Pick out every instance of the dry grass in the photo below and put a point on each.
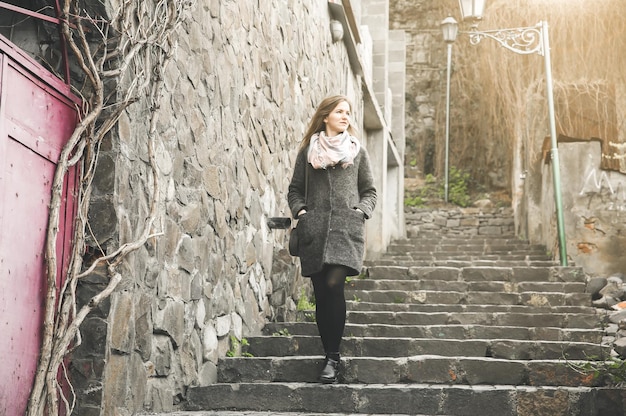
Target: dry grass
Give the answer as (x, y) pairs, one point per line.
(498, 107)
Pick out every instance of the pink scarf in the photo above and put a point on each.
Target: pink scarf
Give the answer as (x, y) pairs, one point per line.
(327, 151)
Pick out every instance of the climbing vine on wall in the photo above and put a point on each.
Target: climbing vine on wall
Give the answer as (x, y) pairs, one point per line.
(122, 59)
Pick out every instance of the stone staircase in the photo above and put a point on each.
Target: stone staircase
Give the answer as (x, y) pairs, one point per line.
(460, 318)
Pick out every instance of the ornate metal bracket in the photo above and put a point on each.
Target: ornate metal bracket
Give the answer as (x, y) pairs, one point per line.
(521, 40)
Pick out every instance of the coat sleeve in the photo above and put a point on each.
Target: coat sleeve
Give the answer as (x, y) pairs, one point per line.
(295, 196)
(367, 191)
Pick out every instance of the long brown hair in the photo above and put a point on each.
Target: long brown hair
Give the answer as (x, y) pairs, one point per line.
(317, 124)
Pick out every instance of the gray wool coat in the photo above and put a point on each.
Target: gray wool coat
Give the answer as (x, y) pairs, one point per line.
(332, 231)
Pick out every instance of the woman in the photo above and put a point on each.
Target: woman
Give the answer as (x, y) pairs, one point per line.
(340, 196)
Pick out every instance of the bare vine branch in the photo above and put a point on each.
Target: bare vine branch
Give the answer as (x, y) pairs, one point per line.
(142, 33)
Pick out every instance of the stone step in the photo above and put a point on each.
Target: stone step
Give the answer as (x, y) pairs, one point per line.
(475, 261)
(411, 369)
(418, 307)
(456, 251)
(514, 349)
(465, 286)
(443, 324)
(517, 274)
(474, 318)
(495, 259)
(475, 298)
(410, 399)
(257, 413)
(481, 256)
(456, 239)
(445, 233)
(485, 246)
(424, 231)
(413, 234)
(448, 331)
(471, 255)
(509, 237)
(462, 247)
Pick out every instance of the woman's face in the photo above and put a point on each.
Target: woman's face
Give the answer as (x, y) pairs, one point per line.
(338, 120)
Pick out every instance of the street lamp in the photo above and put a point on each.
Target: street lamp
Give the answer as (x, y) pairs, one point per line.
(472, 10)
(525, 41)
(450, 28)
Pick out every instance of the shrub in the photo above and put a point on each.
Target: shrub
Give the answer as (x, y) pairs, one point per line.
(434, 189)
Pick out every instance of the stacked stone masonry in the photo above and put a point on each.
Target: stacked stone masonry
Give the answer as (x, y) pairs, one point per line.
(244, 82)
(459, 222)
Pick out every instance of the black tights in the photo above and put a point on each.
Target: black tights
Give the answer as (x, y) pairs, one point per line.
(330, 306)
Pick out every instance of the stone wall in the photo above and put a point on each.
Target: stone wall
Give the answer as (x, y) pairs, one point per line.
(461, 222)
(425, 77)
(594, 209)
(246, 78)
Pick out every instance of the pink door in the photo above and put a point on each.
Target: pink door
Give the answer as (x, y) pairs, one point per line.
(37, 116)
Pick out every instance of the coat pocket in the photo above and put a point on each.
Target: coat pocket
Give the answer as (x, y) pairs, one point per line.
(306, 229)
(301, 235)
(294, 242)
(355, 226)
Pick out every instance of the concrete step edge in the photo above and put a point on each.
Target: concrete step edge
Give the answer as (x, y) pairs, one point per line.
(413, 369)
(436, 307)
(255, 413)
(402, 346)
(565, 334)
(405, 399)
(466, 286)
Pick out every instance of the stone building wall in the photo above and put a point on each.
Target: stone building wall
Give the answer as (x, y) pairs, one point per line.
(246, 78)
(594, 209)
(425, 76)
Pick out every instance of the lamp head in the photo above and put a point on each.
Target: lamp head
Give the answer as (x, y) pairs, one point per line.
(472, 10)
(449, 28)
(336, 30)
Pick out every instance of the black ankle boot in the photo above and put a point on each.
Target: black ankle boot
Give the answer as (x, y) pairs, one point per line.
(330, 371)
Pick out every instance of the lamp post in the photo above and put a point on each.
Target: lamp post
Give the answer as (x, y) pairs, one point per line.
(450, 28)
(525, 41)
